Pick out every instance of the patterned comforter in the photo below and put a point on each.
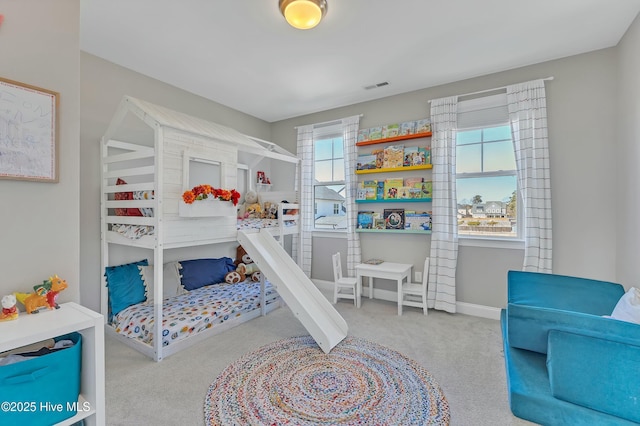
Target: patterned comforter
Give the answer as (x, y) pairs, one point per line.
(193, 312)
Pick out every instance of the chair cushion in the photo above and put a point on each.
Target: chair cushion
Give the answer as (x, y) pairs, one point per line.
(595, 372)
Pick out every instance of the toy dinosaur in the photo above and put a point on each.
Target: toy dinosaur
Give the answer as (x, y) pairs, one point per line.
(43, 296)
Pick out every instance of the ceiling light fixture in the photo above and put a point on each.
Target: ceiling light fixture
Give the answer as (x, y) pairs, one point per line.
(303, 14)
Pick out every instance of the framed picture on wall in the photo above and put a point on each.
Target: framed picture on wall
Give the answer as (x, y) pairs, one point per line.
(28, 132)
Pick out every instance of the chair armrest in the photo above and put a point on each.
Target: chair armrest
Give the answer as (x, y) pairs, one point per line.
(600, 373)
(528, 326)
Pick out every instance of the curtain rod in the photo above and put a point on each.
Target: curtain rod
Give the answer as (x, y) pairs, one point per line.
(491, 90)
(325, 123)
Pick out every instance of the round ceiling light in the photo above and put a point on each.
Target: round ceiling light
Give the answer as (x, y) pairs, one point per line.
(303, 14)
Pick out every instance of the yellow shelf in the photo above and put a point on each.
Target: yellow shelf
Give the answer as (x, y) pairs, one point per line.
(395, 169)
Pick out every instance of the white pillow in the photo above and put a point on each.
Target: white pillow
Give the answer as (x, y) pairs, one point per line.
(628, 307)
(171, 285)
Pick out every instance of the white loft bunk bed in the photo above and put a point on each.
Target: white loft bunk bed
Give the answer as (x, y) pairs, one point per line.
(153, 149)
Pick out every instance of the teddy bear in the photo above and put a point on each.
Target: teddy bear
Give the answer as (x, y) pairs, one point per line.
(270, 211)
(250, 207)
(245, 267)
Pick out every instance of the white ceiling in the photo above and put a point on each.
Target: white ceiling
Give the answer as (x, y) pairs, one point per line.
(242, 53)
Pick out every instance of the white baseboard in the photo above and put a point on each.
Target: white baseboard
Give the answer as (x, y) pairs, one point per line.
(461, 307)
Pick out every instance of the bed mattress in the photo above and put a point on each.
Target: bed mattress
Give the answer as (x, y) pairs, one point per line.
(193, 312)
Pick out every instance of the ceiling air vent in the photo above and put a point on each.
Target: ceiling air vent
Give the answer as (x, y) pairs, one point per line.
(375, 86)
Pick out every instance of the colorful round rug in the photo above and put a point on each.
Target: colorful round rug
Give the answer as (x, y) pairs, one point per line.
(294, 382)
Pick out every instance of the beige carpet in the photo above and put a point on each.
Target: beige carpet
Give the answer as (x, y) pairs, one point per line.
(463, 353)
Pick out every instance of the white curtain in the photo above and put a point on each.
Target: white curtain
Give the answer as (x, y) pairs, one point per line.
(350, 136)
(441, 292)
(304, 185)
(528, 115)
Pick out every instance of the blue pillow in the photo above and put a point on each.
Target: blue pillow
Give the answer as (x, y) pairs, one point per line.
(200, 272)
(126, 286)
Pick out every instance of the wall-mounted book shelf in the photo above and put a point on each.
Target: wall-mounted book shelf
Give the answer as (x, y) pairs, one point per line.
(397, 200)
(395, 169)
(395, 231)
(394, 139)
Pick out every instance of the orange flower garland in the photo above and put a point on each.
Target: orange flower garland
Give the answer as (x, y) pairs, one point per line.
(202, 192)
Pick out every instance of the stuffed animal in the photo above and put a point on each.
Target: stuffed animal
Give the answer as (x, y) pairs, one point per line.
(270, 211)
(250, 199)
(9, 308)
(234, 277)
(245, 265)
(254, 211)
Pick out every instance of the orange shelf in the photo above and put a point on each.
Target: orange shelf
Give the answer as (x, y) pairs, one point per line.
(395, 138)
(394, 169)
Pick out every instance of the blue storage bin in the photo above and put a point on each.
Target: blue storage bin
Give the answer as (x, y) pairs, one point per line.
(43, 390)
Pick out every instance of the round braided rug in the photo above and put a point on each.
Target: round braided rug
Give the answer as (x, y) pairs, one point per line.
(293, 382)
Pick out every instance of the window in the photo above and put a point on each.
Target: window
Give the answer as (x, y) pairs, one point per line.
(486, 181)
(329, 181)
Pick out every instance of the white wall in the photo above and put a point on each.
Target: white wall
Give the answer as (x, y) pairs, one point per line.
(39, 45)
(627, 205)
(582, 126)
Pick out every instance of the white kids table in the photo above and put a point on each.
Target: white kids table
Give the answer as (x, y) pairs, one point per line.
(385, 270)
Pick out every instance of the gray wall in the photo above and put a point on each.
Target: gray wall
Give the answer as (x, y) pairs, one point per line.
(40, 46)
(103, 84)
(54, 228)
(628, 156)
(581, 102)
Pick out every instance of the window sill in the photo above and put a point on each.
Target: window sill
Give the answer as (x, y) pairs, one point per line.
(500, 243)
(329, 234)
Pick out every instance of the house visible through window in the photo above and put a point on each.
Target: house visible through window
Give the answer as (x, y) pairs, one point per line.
(329, 182)
(486, 183)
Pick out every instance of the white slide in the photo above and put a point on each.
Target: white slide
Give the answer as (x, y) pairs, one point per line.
(314, 311)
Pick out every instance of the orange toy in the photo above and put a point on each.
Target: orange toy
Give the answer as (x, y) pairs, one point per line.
(45, 295)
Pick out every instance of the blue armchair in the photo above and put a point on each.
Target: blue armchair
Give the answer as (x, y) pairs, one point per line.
(566, 363)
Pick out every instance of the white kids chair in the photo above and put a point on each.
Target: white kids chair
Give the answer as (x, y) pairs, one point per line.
(414, 294)
(344, 287)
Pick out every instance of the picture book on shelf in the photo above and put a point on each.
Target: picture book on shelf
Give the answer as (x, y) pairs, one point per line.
(410, 152)
(363, 135)
(365, 220)
(423, 126)
(375, 133)
(426, 189)
(393, 156)
(424, 155)
(404, 192)
(371, 189)
(394, 218)
(415, 193)
(380, 191)
(366, 162)
(378, 223)
(417, 221)
(407, 128)
(391, 188)
(390, 130)
(379, 153)
(361, 194)
(411, 181)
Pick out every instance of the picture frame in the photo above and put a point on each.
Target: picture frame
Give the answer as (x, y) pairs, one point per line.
(28, 132)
